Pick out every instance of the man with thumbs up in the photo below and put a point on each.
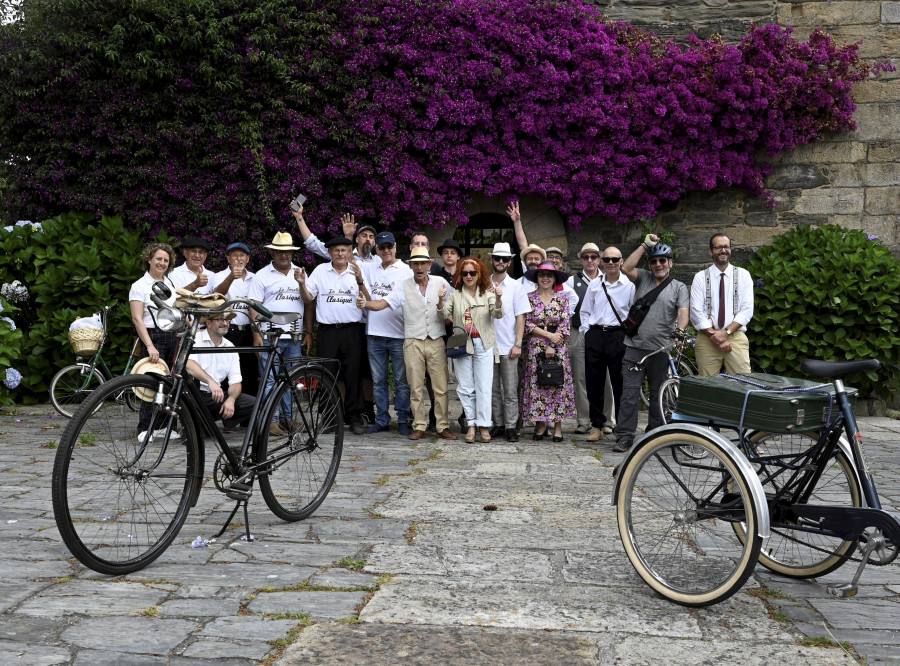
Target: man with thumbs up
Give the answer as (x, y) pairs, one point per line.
(192, 275)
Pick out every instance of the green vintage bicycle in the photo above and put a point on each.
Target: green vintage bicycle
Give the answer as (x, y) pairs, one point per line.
(72, 385)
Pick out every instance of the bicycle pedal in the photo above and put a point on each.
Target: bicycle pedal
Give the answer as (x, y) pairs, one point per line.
(239, 491)
(843, 590)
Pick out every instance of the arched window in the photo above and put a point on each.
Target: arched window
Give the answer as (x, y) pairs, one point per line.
(484, 229)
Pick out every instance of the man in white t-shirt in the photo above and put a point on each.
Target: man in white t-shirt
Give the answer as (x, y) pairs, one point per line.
(192, 274)
(276, 287)
(220, 375)
(234, 282)
(384, 337)
(508, 333)
(333, 287)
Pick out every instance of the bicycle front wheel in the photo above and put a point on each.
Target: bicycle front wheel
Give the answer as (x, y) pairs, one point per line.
(72, 385)
(668, 398)
(120, 493)
(302, 463)
(795, 549)
(674, 515)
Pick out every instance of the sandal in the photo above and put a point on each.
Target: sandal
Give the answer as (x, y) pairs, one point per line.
(485, 435)
(470, 436)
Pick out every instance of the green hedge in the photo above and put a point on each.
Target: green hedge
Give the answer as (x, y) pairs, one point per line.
(72, 265)
(828, 293)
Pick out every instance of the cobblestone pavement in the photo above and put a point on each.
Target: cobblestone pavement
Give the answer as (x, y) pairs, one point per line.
(404, 564)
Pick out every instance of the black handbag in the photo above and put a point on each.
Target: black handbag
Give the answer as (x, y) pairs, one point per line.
(456, 343)
(550, 372)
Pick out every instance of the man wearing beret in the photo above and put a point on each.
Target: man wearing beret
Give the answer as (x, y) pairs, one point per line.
(192, 275)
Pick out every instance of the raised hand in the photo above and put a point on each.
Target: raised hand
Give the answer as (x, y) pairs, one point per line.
(203, 278)
(300, 275)
(513, 211)
(361, 302)
(442, 294)
(348, 223)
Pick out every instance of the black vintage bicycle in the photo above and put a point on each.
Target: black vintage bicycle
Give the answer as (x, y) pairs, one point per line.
(799, 503)
(124, 481)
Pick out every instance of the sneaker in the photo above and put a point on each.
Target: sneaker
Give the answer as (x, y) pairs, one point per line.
(404, 429)
(623, 444)
(596, 435)
(158, 434)
(582, 430)
(275, 429)
(607, 430)
(375, 427)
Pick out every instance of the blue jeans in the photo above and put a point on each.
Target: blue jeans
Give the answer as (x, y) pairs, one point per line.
(381, 351)
(288, 348)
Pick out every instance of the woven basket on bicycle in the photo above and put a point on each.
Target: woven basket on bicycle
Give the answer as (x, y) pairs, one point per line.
(85, 341)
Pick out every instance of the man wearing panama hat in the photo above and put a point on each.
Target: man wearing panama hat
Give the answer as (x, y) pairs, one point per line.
(220, 374)
(276, 287)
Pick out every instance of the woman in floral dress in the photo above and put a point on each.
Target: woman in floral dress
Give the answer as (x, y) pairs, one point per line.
(547, 332)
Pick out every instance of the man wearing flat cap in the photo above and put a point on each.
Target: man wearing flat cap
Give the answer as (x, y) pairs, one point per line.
(220, 374)
(192, 275)
(334, 287)
(365, 237)
(234, 282)
(276, 287)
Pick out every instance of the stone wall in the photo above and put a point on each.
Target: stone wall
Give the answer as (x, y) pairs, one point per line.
(852, 180)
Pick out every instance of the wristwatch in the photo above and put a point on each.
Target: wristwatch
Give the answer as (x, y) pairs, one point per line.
(518, 344)
(728, 331)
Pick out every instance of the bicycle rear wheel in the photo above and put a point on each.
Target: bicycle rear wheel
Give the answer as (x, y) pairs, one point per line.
(120, 501)
(794, 549)
(674, 513)
(72, 385)
(301, 465)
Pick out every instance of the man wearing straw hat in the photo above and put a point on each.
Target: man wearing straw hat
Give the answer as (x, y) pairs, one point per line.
(276, 287)
(220, 374)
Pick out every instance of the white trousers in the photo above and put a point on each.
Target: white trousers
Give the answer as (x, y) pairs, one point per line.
(474, 381)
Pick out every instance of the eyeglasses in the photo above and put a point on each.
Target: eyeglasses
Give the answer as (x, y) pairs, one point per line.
(468, 273)
(505, 260)
(721, 247)
(611, 260)
(218, 320)
(590, 257)
(658, 260)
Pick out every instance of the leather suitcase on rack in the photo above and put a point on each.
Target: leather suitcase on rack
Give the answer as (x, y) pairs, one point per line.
(722, 399)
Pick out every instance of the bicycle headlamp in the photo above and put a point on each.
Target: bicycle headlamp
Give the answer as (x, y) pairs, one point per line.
(170, 320)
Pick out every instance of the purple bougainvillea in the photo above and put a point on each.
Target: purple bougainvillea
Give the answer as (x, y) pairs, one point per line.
(208, 116)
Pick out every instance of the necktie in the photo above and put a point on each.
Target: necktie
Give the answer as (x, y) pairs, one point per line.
(722, 302)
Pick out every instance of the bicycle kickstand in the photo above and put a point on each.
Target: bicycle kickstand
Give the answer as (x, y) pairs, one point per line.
(238, 504)
(844, 590)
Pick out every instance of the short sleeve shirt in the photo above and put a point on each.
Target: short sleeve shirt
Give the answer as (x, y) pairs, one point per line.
(335, 295)
(662, 318)
(515, 302)
(141, 290)
(278, 292)
(183, 276)
(218, 366)
(238, 289)
(382, 281)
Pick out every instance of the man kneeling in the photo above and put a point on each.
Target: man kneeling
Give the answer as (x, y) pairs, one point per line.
(220, 374)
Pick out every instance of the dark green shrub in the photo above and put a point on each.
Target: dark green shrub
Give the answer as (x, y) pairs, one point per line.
(72, 265)
(828, 293)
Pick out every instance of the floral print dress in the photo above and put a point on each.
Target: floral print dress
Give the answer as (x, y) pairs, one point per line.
(547, 403)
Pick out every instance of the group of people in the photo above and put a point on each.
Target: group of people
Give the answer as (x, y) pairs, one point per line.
(372, 312)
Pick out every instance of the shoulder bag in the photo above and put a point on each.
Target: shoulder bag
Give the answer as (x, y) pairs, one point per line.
(550, 371)
(641, 307)
(457, 343)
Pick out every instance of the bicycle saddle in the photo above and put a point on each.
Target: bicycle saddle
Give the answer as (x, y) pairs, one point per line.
(838, 369)
(282, 318)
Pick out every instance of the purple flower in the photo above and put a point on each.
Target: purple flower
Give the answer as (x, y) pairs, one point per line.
(759, 283)
(873, 237)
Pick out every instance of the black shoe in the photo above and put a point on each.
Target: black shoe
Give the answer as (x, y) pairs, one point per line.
(511, 435)
(358, 426)
(536, 437)
(496, 431)
(623, 444)
(557, 438)
(463, 423)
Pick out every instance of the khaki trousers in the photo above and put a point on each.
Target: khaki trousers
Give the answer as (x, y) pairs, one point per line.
(428, 355)
(710, 358)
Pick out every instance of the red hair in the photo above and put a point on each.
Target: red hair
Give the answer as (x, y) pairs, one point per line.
(482, 280)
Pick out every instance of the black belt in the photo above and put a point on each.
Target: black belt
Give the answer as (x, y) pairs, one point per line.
(347, 325)
(606, 328)
(242, 327)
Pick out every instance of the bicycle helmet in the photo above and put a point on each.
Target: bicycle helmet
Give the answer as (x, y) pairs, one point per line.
(660, 250)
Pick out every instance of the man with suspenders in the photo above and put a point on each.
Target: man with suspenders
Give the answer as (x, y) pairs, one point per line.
(721, 308)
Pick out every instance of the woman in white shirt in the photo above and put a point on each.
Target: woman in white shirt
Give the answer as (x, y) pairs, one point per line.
(157, 260)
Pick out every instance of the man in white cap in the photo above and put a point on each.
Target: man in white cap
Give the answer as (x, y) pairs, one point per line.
(220, 374)
(234, 282)
(589, 255)
(421, 298)
(508, 333)
(276, 287)
(556, 257)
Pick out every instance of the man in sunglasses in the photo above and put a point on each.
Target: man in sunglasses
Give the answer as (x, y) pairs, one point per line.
(721, 308)
(508, 333)
(670, 310)
(603, 308)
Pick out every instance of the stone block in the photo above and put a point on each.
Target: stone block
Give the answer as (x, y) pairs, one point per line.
(826, 201)
(829, 13)
(890, 12)
(824, 152)
(880, 90)
(769, 219)
(803, 176)
(880, 175)
(883, 200)
(884, 152)
(876, 122)
(845, 175)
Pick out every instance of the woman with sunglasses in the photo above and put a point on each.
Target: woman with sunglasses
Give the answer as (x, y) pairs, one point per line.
(547, 329)
(473, 306)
